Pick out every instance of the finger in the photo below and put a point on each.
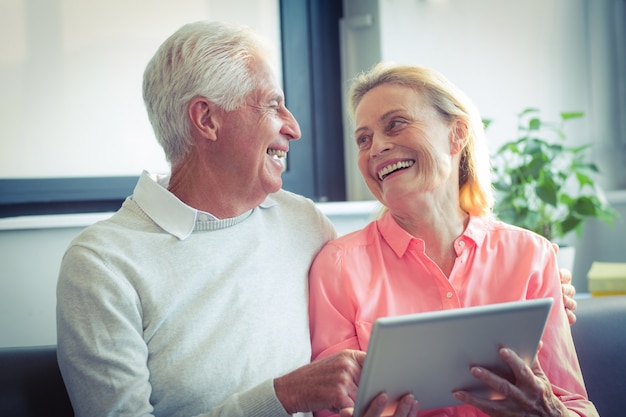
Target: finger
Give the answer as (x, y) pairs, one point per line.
(377, 406)
(347, 412)
(570, 303)
(525, 380)
(496, 382)
(511, 395)
(571, 317)
(359, 357)
(489, 407)
(406, 407)
(565, 275)
(516, 363)
(568, 290)
(537, 369)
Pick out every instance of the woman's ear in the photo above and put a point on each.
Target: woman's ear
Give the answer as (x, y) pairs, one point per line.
(203, 116)
(459, 135)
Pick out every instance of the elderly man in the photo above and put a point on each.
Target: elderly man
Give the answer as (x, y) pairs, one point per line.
(192, 298)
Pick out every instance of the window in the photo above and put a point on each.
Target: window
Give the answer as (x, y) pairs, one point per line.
(313, 93)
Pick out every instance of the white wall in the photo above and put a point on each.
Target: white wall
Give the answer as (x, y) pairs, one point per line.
(30, 260)
(507, 55)
(71, 76)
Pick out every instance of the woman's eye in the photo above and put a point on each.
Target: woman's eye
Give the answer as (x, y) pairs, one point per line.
(361, 141)
(395, 124)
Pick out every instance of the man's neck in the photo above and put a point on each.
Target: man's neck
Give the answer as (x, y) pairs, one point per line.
(198, 187)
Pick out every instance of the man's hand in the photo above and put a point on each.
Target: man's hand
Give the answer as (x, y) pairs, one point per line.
(330, 383)
(569, 291)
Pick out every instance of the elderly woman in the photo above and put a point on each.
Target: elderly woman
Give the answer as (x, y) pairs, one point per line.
(423, 155)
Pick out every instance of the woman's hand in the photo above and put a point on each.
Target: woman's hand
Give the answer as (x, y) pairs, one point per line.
(530, 395)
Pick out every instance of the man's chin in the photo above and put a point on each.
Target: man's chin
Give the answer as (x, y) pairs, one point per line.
(274, 186)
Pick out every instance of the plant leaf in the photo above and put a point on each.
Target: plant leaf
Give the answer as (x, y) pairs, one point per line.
(534, 124)
(570, 223)
(547, 192)
(572, 115)
(586, 206)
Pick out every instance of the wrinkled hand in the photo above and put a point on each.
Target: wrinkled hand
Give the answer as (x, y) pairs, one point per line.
(330, 383)
(530, 395)
(569, 291)
(406, 407)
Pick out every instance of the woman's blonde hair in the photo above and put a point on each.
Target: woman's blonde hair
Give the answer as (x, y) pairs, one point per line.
(475, 189)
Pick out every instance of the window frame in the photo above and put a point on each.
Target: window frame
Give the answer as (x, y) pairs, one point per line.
(311, 71)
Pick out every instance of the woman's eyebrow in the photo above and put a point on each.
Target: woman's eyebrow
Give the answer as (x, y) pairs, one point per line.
(382, 118)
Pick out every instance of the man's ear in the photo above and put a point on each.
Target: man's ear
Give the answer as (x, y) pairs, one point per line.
(203, 116)
(459, 135)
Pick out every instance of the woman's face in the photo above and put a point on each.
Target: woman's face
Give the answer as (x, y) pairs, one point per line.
(405, 146)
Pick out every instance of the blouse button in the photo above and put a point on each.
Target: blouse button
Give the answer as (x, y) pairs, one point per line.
(449, 294)
(462, 243)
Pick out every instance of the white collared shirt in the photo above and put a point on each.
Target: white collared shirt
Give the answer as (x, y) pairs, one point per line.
(167, 210)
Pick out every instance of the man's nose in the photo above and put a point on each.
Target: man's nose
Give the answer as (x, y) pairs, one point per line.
(291, 128)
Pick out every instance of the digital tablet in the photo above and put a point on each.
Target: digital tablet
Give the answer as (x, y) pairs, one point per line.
(430, 354)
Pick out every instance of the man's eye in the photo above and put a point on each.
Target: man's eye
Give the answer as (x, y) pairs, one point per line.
(273, 105)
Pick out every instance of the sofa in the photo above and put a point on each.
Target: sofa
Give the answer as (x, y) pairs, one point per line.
(31, 384)
(600, 338)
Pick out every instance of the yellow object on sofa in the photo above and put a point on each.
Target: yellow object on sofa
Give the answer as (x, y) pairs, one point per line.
(607, 278)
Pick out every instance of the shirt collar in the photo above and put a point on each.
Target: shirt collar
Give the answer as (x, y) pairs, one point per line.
(163, 207)
(399, 239)
(166, 210)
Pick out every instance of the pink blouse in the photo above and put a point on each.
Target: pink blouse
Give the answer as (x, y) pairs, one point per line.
(382, 270)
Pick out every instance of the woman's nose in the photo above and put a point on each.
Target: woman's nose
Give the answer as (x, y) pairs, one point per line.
(380, 145)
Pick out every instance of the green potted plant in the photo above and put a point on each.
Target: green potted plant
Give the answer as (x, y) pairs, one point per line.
(544, 185)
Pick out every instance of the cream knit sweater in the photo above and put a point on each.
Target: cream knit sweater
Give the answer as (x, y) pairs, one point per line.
(149, 324)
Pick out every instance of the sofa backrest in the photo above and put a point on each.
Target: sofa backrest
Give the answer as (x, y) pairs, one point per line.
(31, 384)
(600, 339)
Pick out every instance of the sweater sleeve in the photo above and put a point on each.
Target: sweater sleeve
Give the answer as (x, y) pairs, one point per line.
(102, 353)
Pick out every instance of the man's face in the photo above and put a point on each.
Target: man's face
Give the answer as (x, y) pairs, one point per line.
(258, 134)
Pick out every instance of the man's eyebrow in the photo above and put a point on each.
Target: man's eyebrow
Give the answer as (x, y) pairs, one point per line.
(277, 97)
